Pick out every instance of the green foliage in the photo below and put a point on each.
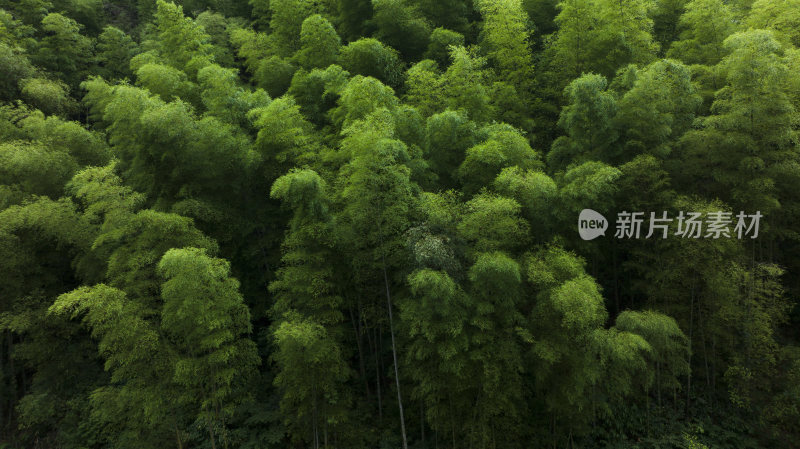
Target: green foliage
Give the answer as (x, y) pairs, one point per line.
(758, 308)
(644, 112)
(286, 23)
(218, 29)
(503, 147)
(536, 192)
(274, 75)
(369, 57)
(102, 196)
(666, 17)
(284, 136)
(668, 343)
(587, 120)
(378, 194)
(465, 84)
(506, 41)
(354, 18)
(439, 47)
(15, 67)
(319, 43)
(704, 25)
(360, 97)
(312, 371)
(437, 317)
(50, 97)
(542, 13)
(448, 137)
(752, 124)
(600, 37)
(114, 52)
(671, 100)
(180, 41)
(164, 372)
(451, 14)
(86, 147)
(317, 91)
(146, 132)
(205, 320)
(34, 168)
(63, 50)
(782, 17)
(377, 199)
(493, 223)
(463, 87)
(132, 267)
(167, 82)
(425, 87)
(592, 183)
(225, 98)
(251, 46)
(401, 26)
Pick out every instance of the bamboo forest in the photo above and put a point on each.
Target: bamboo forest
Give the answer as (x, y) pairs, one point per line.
(399, 224)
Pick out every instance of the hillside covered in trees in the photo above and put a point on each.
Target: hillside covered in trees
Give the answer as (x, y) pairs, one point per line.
(355, 224)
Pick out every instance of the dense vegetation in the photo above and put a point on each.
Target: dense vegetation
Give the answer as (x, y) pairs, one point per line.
(351, 224)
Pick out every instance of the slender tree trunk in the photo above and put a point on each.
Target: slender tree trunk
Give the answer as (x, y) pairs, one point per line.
(178, 437)
(218, 418)
(359, 344)
(594, 407)
(264, 255)
(658, 382)
(394, 356)
(631, 295)
(452, 422)
(2, 384)
(691, 326)
(211, 433)
(315, 416)
(616, 275)
(647, 408)
(379, 340)
(23, 380)
(391, 332)
(713, 363)
(422, 421)
(474, 426)
(374, 344)
(12, 371)
(705, 346)
(12, 382)
(675, 400)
